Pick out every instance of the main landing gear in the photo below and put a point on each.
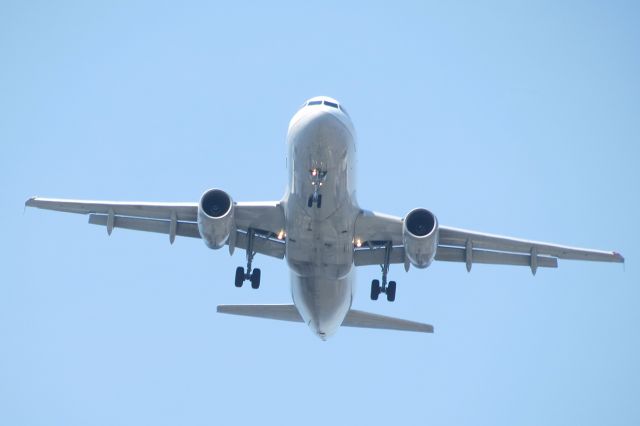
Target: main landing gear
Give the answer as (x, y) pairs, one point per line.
(388, 288)
(317, 176)
(253, 276)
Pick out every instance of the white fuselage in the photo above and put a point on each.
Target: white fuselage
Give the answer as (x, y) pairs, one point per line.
(321, 139)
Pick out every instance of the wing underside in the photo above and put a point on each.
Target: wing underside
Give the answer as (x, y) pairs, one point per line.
(373, 230)
(376, 230)
(177, 219)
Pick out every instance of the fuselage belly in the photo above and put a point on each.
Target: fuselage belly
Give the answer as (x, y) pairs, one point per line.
(321, 152)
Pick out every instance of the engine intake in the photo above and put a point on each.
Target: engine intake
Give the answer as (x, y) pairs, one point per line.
(215, 218)
(420, 237)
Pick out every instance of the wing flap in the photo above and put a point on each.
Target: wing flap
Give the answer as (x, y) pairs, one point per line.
(261, 243)
(453, 254)
(459, 237)
(375, 256)
(183, 229)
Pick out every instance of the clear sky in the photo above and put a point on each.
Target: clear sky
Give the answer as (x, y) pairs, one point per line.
(518, 118)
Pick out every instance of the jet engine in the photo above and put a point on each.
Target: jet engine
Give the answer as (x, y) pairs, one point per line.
(420, 237)
(215, 218)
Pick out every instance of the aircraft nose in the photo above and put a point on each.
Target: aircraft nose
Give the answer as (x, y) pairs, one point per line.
(325, 129)
(323, 119)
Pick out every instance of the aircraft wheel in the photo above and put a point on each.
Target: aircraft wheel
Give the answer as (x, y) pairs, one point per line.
(239, 276)
(375, 289)
(255, 278)
(310, 201)
(319, 201)
(391, 291)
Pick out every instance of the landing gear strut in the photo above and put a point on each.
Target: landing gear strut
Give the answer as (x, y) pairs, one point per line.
(253, 276)
(390, 288)
(317, 176)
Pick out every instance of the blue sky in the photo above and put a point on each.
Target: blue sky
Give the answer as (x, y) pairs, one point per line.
(518, 118)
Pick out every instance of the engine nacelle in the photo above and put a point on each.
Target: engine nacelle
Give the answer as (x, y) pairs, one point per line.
(420, 237)
(215, 218)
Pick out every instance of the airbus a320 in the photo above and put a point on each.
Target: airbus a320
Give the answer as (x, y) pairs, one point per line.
(322, 231)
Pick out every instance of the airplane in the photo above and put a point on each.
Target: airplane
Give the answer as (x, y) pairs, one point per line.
(321, 230)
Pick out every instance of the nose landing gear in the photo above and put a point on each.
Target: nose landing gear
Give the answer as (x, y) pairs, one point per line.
(314, 198)
(317, 176)
(253, 276)
(390, 288)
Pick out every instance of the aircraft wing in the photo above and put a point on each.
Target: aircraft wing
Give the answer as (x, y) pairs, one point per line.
(374, 230)
(177, 219)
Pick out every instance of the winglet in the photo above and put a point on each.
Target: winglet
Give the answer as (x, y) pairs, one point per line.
(30, 202)
(618, 257)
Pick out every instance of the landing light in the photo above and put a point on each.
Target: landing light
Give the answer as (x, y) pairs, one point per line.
(281, 234)
(358, 243)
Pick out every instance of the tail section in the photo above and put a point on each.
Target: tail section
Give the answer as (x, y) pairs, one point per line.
(362, 319)
(276, 312)
(354, 317)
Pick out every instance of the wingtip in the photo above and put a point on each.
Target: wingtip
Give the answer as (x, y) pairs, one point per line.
(618, 257)
(30, 202)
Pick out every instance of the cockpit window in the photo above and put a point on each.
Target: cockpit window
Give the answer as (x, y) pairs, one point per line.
(327, 103)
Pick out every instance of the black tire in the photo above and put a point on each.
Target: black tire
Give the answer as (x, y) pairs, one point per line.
(391, 291)
(255, 279)
(319, 202)
(310, 201)
(239, 276)
(375, 289)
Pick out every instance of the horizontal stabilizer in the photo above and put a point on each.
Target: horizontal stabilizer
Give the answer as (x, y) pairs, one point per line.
(354, 318)
(368, 320)
(277, 312)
